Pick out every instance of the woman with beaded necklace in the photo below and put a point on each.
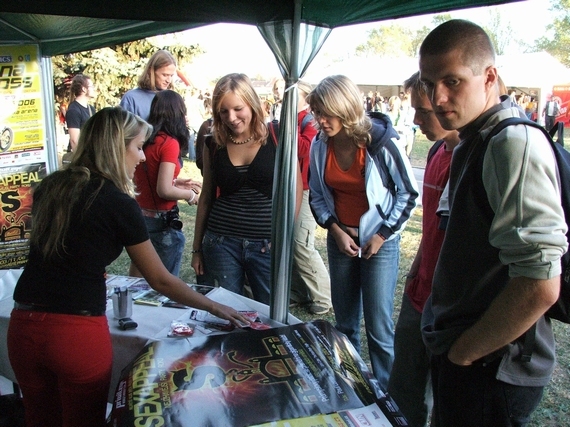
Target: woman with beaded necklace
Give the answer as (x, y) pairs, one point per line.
(233, 222)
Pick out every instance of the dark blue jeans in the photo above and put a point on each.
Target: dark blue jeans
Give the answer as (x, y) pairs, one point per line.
(168, 242)
(229, 260)
(471, 396)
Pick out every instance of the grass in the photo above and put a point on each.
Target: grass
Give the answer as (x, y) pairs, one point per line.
(554, 409)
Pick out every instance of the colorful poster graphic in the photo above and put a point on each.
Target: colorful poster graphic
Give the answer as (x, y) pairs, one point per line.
(21, 116)
(248, 378)
(16, 183)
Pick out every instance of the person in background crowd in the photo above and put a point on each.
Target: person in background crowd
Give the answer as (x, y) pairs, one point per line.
(550, 112)
(158, 185)
(84, 215)
(157, 75)
(78, 112)
(204, 130)
(278, 89)
(499, 267)
(410, 384)
(232, 237)
(310, 282)
(354, 163)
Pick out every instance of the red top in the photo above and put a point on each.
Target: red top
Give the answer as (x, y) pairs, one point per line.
(435, 178)
(304, 145)
(164, 149)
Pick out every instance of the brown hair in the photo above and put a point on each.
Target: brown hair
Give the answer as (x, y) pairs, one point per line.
(160, 59)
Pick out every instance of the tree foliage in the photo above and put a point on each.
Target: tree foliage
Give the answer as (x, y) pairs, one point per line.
(390, 41)
(396, 40)
(114, 70)
(557, 38)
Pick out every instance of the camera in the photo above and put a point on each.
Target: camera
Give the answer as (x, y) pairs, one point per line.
(173, 219)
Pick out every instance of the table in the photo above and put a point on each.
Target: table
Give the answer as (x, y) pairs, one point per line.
(153, 324)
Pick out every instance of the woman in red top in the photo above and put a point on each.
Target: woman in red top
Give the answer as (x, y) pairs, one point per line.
(157, 179)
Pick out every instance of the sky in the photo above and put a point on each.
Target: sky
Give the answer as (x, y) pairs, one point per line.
(241, 48)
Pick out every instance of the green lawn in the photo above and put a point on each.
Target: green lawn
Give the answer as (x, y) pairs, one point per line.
(554, 409)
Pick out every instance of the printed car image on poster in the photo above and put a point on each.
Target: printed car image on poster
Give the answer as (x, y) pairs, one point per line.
(16, 184)
(248, 378)
(21, 115)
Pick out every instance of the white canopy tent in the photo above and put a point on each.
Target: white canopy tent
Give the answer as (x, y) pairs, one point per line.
(535, 73)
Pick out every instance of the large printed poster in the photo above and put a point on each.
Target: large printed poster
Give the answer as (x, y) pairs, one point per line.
(22, 148)
(16, 184)
(21, 116)
(249, 377)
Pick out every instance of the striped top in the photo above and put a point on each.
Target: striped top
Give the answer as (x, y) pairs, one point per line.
(243, 214)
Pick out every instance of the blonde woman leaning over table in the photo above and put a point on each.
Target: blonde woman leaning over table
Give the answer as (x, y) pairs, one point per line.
(58, 338)
(232, 238)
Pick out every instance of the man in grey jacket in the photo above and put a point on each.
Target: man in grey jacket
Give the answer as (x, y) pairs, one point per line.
(499, 265)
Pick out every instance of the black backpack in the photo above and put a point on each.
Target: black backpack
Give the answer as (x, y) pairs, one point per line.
(561, 309)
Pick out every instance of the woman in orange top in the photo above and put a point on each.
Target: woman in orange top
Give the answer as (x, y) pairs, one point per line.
(362, 189)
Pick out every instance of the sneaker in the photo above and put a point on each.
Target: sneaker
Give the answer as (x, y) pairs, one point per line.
(318, 309)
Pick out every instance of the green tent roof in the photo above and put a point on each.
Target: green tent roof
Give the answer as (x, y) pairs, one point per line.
(64, 26)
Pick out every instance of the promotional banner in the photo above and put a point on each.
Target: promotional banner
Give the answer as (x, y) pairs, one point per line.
(249, 378)
(16, 184)
(21, 115)
(22, 148)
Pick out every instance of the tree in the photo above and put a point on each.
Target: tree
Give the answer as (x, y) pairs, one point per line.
(500, 33)
(113, 69)
(392, 41)
(557, 40)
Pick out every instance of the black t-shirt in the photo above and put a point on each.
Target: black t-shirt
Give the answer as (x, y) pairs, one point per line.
(76, 280)
(77, 114)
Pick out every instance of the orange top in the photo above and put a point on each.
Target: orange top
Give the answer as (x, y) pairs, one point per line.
(348, 187)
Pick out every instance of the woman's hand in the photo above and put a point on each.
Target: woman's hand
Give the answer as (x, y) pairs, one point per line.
(188, 184)
(373, 246)
(198, 263)
(228, 313)
(345, 242)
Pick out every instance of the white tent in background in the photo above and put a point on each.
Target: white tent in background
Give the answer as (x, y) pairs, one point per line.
(527, 73)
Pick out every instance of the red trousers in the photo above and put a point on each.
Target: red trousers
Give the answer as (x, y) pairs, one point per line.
(63, 367)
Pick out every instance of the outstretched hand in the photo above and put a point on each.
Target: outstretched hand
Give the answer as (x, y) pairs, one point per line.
(228, 313)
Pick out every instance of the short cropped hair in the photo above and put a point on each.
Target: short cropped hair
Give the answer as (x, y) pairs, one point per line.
(477, 51)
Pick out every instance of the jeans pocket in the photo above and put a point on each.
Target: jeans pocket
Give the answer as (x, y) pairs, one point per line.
(211, 240)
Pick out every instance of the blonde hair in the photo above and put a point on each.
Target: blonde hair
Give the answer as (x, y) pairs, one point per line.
(304, 87)
(160, 59)
(100, 154)
(338, 96)
(239, 85)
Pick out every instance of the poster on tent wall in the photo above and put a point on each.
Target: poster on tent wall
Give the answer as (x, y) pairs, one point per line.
(22, 147)
(300, 375)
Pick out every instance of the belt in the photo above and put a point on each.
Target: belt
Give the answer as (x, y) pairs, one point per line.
(46, 309)
(151, 214)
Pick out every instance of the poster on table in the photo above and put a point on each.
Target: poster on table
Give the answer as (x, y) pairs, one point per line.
(22, 147)
(308, 374)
